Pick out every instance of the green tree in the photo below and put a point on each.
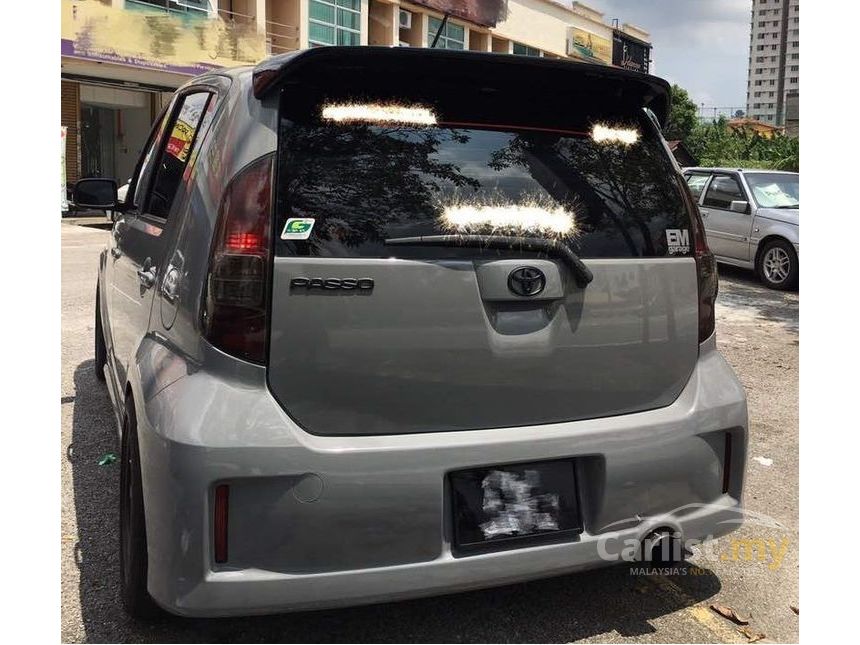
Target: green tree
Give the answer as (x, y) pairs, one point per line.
(716, 144)
(682, 115)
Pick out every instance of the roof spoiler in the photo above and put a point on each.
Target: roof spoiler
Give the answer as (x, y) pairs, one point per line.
(273, 73)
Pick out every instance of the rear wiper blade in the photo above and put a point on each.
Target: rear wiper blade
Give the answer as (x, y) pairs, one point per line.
(787, 206)
(555, 248)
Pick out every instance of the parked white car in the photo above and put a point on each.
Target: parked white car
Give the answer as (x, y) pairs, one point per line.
(751, 219)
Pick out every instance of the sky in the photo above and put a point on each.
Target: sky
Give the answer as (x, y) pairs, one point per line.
(702, 45)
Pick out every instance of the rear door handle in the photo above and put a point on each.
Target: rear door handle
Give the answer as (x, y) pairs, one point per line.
(147, 278)
(146, 274)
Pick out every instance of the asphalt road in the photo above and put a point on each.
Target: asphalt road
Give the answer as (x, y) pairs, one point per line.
(757, 333)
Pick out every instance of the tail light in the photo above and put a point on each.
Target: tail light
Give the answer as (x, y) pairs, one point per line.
(237, 293)
(706, 267)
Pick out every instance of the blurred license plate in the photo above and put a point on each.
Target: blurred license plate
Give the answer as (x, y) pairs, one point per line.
(514, 505)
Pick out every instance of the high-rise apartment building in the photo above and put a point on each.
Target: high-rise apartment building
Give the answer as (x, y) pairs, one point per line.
(773, 82)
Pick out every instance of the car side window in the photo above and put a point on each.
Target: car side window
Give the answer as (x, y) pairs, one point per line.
(176, 152)
(139, 182)
(722, 192)
(697, 184)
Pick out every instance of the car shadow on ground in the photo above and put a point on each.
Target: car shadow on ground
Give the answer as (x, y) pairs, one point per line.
(561, 609)
(742, 295)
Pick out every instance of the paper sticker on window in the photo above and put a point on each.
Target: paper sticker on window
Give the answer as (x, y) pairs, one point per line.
(180, 140)
(298, 228)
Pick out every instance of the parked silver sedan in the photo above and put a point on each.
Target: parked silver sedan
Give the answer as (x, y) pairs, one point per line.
(752, 219)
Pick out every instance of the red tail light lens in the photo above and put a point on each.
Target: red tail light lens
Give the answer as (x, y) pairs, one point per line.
(706, 267)
(235, 315)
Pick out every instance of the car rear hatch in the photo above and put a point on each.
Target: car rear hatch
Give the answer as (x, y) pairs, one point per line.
(431, 211)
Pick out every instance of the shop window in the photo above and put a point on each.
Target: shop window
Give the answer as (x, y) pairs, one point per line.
(334, 22)
(524, 50)
(453, 36)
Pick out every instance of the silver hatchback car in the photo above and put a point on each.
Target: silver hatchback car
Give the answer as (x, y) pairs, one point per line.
(383, 323)
(752, 219)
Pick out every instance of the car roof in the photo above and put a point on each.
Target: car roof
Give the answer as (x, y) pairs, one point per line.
(241, 73)
(743, 170)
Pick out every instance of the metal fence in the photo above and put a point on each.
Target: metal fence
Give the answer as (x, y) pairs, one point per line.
(709, 114)
(280, 37)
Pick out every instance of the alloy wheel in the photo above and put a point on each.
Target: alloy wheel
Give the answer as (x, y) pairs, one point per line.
(776, 265)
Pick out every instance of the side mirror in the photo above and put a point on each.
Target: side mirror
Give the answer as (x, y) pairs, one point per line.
(95, 193)
(739, 206)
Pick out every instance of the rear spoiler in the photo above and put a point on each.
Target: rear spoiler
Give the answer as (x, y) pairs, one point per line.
(633, 88)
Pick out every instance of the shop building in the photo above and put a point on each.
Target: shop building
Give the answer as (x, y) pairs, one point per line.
(122, 59)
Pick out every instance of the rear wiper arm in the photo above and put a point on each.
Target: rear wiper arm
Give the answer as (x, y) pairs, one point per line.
(555, 248)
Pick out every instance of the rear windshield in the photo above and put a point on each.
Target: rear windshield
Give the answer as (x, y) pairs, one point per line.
(356, 183)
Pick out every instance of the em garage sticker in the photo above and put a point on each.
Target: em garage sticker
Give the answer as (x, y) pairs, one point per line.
(298, 228)
(678, 241)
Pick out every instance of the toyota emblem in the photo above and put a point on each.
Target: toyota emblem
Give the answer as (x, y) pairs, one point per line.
(526, 281)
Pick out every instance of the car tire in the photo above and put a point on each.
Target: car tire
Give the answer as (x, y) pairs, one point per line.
(100, 351)
(132, 526)
(777, 265)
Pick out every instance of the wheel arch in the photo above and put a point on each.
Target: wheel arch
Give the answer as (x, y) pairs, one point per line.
(763, 242)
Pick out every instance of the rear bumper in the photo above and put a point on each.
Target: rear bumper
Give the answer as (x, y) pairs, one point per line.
(330, 521)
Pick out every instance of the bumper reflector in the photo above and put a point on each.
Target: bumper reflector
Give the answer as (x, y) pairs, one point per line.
(727, 462)
(222, 496)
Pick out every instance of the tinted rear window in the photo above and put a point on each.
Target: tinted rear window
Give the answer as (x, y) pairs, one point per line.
(363, 183)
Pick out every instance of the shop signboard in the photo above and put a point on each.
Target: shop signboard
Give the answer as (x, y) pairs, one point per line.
(630, 53)
(589, 46)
